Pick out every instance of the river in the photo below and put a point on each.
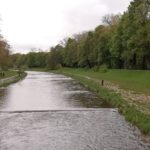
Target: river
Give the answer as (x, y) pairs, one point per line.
(52, 112)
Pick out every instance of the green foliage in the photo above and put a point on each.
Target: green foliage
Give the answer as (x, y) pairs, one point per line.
(24, 67)
(103, 68)
(31, 60)
(4, 54)
(70, 53)
(96, 68)
(131, 42)
(8, 73)
(54, 58)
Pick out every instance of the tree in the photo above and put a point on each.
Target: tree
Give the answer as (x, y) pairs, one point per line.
(70, 53)
(54, 58)
(4, 53)
(111, 19)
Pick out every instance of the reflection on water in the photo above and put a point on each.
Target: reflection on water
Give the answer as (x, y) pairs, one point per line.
(42, 91)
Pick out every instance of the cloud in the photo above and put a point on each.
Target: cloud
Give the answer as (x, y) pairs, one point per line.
(43, 23)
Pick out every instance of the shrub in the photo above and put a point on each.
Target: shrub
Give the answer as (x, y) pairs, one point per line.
(96, 68)
(103, 68)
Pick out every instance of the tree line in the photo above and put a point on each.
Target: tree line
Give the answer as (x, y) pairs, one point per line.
(121, 41)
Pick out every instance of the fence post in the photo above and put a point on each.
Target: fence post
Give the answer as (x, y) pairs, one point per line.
(102, 82)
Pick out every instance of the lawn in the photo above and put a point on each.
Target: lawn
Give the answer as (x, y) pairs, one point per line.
(138, 81)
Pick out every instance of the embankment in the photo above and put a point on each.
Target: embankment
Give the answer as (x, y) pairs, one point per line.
(12, 79)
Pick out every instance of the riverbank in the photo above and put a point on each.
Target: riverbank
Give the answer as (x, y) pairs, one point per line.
(132, 110)
(8, 74)
(11, 77)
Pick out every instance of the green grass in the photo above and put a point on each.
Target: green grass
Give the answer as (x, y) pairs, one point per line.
(11, 74)
(131, 113)
(8, 73)
(138, 81)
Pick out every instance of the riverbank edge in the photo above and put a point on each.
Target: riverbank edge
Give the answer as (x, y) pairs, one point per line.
(16, 79)
(129, 111)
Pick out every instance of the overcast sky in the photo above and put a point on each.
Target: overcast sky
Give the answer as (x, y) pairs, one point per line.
(41, 24)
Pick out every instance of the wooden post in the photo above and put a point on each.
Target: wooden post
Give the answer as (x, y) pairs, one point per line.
(102, 82)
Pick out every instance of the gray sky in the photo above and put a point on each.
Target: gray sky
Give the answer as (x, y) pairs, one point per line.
(41, 24)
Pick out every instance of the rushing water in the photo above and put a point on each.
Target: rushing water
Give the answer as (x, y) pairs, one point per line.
(47, 91)
(54, 112)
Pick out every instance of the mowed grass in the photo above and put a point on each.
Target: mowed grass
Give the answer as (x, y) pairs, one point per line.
(8, 73)
(135, 80)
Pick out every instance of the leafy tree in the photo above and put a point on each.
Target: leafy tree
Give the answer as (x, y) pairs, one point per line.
(70, 53)
(4, 54)
(131, 42)
(54, 58)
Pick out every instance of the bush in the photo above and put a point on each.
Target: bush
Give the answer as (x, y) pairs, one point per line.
(103, 68)
(58, 66)
(4, 68)
(24, 67)
(96, 68)
(86, 68)
(54, 67)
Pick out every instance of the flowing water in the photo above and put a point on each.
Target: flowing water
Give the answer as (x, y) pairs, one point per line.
(53, 112)
(46, 91)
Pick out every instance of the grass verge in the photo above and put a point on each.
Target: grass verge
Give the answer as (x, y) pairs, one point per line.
(8, 74)
(15, 79)
(136, 80)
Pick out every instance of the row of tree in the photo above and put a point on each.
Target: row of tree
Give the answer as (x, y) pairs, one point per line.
(122, 41)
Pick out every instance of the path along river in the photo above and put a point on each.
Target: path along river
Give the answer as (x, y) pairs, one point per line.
(46, 111)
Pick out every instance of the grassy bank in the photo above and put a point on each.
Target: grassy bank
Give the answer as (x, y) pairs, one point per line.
(8, 74)
(138, 81)
(12, 74)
